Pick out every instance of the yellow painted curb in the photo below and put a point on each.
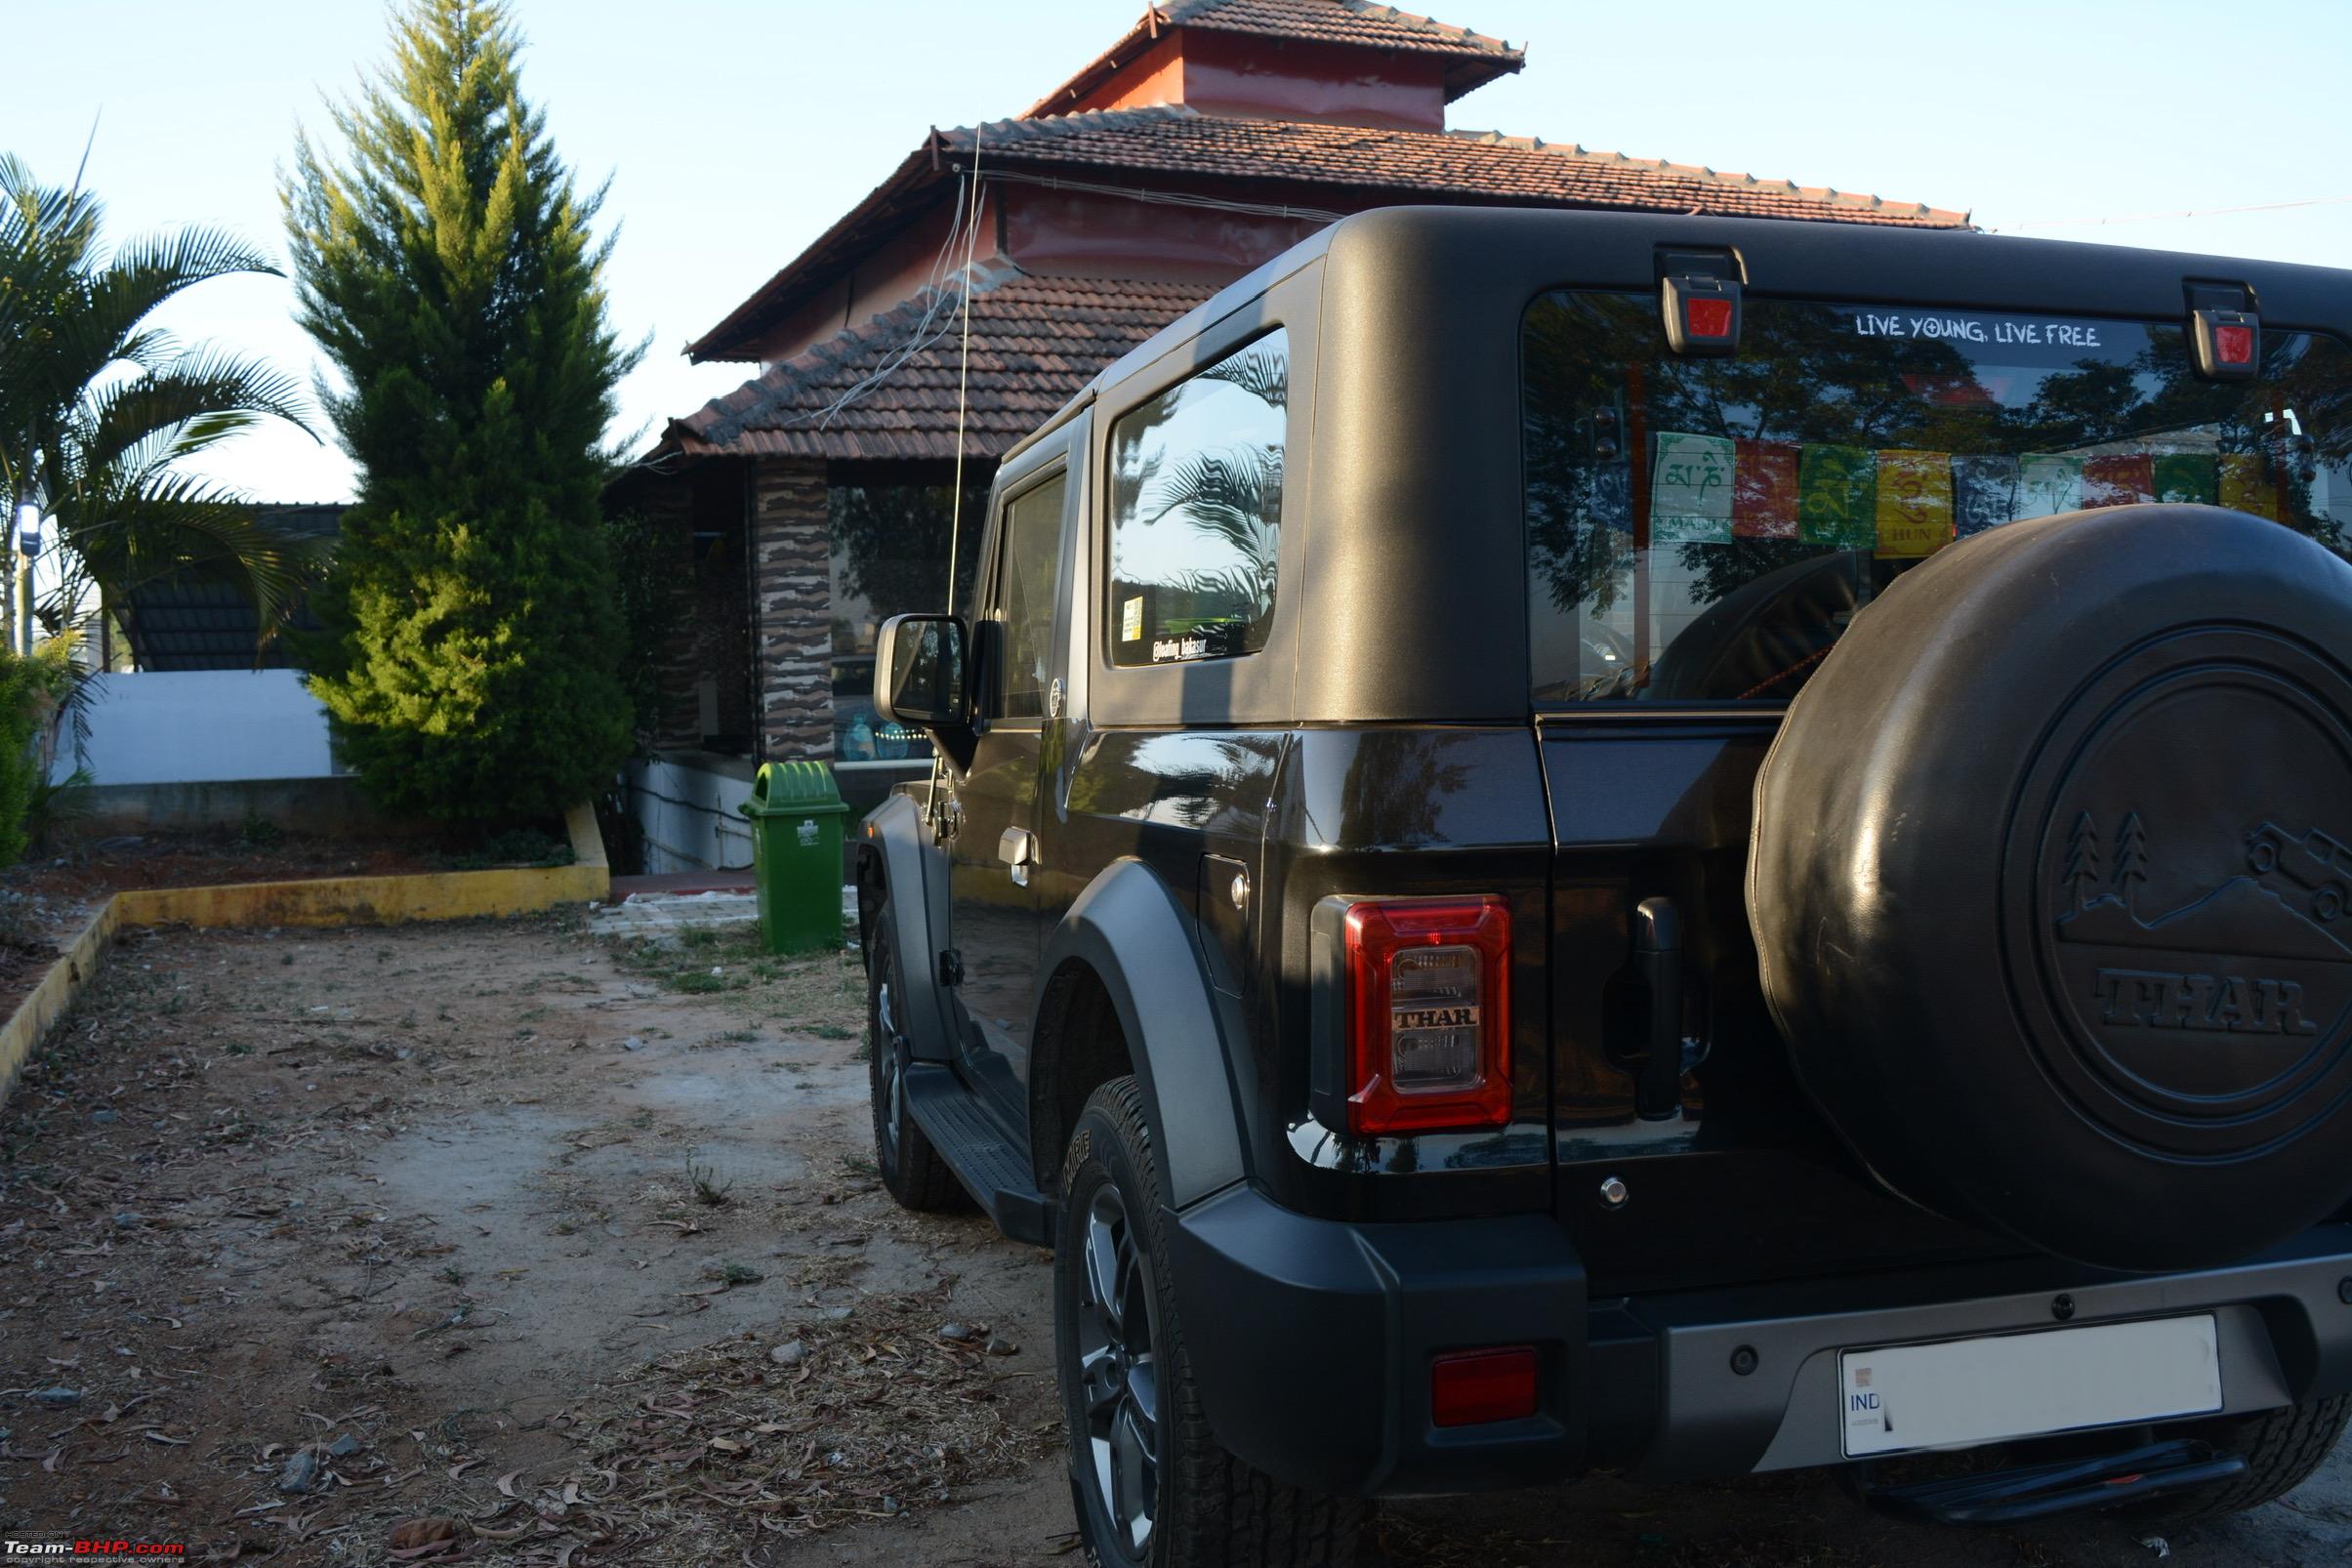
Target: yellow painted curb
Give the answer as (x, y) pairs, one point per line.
(325, 901)
(386, 900)
(54, 994)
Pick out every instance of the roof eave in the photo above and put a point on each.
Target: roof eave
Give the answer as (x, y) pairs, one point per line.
(883, 207)
(1094, 72)
(1468, 75)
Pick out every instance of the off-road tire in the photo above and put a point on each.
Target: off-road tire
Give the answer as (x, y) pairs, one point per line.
(2282, 1448)
(1213, 1510)
(911, 1168)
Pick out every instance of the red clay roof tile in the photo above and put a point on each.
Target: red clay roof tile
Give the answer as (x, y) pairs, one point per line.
(1336, 22)
(1172, 139)
(1473, 59)
(888, 389)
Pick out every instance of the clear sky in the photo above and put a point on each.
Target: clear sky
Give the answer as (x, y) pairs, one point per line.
(734, 131)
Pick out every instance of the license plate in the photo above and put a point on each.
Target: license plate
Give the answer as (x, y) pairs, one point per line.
(1963, 1391)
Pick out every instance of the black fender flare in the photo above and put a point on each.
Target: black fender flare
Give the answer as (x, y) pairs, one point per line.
(1130, 931)
(895, 843)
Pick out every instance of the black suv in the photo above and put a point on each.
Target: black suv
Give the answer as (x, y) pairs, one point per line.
(1571, 840)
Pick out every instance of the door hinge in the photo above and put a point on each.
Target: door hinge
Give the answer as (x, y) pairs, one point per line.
(951, 967)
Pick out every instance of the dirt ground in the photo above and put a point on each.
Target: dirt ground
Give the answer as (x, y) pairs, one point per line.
(508, 1243)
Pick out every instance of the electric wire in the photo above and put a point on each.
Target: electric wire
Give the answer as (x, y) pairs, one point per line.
(918, 337)
(2159, 216)
(971, 244)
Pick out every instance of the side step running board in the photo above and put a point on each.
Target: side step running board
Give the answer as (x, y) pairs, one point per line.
(991, 1168)
(2034, 1491)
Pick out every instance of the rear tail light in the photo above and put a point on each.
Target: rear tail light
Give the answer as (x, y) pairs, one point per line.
(1469, 1387)
(1429, 1014)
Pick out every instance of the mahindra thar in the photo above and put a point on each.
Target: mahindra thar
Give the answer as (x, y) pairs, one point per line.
(1573, 841)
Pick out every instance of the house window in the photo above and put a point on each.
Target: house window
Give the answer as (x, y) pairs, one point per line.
(889, 557)
(1196, 511)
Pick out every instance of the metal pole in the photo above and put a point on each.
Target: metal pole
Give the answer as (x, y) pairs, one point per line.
(23, 603)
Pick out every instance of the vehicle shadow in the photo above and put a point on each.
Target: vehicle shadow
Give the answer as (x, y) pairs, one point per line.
(1810, 1519)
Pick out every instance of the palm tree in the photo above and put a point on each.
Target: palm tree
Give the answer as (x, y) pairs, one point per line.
(98, 407)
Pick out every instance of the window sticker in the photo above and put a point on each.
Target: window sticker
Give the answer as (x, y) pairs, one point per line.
(1690, 490)
(1131, 619)
(2191, 477)
(1915, 502)
(2118, 479)
(1763, 490)
(1837, 497)
(1176, 649)
(2048, 484)
(1984, 493)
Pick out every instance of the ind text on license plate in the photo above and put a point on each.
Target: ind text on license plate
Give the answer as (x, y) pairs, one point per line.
(1961, 1392)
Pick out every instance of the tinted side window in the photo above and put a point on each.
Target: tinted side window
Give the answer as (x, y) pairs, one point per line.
(1031, 561)
(1196, 511)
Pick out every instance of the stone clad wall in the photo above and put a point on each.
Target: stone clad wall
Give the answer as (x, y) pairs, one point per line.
(791, 591)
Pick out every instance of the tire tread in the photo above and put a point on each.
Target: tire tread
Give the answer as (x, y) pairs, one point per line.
(1255, 1521)
(919, 1178)
(2282, 1448)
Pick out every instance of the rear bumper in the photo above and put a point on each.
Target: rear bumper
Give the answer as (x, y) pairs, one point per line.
(1311, 1342)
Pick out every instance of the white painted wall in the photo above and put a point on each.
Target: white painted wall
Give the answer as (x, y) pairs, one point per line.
(188, 727)
(689, 817)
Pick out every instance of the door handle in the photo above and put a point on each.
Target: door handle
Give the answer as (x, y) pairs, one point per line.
(1018, 849)
(1658, 959)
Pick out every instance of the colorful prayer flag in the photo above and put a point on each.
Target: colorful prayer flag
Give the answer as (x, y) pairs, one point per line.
(2048, 486)
(1763, 490)
(1690, 490)
(1915, 502)
(1984, 493)
(1837, 497)
(2191, 477)
(2118, 479)
(2245, 485)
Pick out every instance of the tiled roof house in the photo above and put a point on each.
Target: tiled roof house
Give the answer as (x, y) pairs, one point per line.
(204, 623)
(815, 498)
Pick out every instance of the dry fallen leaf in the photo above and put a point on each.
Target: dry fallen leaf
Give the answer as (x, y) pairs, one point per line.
(430, 1531)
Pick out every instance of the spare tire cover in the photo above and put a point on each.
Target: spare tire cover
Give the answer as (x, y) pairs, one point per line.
(2050, 878)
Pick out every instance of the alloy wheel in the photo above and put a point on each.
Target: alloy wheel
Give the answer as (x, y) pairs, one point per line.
(889, 1061)
(1118, 1372)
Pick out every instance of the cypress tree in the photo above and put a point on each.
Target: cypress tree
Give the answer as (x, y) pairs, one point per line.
(445, 264)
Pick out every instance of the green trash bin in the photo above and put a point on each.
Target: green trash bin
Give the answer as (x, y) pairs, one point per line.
(796, 814)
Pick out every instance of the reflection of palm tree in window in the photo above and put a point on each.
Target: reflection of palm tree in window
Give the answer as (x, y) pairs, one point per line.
(1233, 501)
(1263, 373)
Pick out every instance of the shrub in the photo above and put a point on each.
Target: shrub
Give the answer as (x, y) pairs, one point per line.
(31, 688)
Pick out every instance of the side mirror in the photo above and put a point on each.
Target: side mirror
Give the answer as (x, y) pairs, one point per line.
(919, 671)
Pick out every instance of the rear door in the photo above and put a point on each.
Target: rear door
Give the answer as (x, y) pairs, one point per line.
(1700, 532)
(992, 853)
(1654, 809)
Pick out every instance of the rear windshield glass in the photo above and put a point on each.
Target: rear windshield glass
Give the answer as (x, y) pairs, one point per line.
(1702, 529)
